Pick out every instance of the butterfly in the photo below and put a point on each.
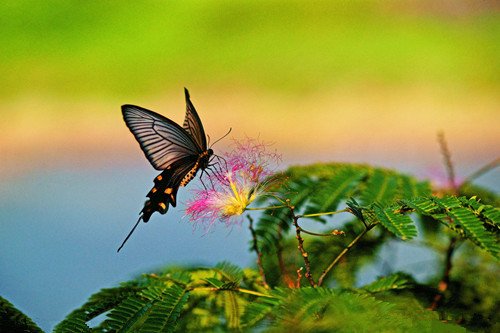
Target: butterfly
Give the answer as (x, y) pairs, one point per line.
(178, 151)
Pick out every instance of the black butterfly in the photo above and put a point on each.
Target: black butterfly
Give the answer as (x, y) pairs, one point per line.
(179, 151)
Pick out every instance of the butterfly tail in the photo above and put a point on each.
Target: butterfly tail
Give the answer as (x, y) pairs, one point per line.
(130, 233)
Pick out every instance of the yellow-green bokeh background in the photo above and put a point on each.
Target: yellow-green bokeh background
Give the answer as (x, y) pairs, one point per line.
(324, 80)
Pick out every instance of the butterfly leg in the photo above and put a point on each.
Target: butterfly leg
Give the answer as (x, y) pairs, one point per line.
(201, 180)
(215, 173)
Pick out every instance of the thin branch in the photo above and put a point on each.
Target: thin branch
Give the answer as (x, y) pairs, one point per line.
(333, 233)
(336, 260)
(443, 284)
(482, 171)
(447, 160)
(259, 254)
(299, 277)
(301, 246)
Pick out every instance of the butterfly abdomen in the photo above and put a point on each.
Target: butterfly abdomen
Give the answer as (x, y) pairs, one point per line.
(191, 174)
(202, 163)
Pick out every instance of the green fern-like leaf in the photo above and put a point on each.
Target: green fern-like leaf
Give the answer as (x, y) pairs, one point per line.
(312, 302)
(323, 310)
(488, 214)
(335, 189)
(74, 323)
(123, 317)
(466, 221)
(276, 221)
(483, 195)
(410, 188)
(321, 187)
(269, 236)
(382, 187)
(475, 229)
(399, 224)
(229, 272)
(258, 311)
(461, 216)
(216, 283)
(398, 280)
(13, 320)
(265, 307)
(178, 277)
(99, 303)
(233, 308)
(164, 314)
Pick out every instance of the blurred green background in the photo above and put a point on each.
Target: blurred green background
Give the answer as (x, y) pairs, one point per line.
(111, 49)
(356, 81)
(335, 80)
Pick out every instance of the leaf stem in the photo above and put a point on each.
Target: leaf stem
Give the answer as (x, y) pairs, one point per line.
(325, 272)
(321, 214)
(333, 233)
(246, 291)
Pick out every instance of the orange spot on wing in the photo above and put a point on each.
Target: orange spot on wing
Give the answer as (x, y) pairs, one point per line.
(162, 205)
(159, 178)
(168, 191)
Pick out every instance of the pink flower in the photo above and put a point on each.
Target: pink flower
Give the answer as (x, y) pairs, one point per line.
(236, 181)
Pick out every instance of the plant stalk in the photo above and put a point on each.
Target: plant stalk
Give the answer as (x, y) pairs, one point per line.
(336, 260)
(301, 246)
(259, 254)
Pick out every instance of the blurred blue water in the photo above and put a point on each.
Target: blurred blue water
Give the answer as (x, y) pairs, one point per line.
(60, 230)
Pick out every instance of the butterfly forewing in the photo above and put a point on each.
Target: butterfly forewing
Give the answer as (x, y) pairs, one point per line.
(192, 124)
(162, 141)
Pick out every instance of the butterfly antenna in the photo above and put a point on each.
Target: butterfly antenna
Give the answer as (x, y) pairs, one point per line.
(208, 136)
(222, 137)
(130, 233)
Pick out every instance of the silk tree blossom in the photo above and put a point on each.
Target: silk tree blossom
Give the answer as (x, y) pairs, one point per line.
(235, 182)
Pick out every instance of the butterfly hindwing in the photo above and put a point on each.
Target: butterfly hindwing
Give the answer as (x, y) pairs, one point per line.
(164, 192)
